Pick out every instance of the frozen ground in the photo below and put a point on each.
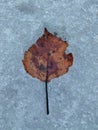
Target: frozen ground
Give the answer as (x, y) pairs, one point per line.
(73, 97)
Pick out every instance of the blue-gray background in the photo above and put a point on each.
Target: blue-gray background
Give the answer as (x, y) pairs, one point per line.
(73, 97)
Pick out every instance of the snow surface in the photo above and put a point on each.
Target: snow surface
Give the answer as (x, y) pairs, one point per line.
(73, 98)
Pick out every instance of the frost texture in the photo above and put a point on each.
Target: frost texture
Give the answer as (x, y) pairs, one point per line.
(73, 97)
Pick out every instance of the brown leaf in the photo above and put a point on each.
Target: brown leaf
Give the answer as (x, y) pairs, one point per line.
(48, 53)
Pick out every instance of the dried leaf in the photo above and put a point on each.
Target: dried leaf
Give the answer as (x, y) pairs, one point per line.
(48, 53)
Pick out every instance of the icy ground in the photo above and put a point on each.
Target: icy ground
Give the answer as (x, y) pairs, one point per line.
(73, 97)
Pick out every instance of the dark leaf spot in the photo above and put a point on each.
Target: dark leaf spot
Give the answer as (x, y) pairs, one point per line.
(53, 51)
(42, 67)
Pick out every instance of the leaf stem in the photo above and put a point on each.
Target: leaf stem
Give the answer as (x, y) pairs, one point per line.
(46, 87)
